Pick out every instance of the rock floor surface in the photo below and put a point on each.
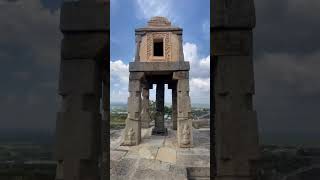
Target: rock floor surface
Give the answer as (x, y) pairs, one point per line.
(159, 157)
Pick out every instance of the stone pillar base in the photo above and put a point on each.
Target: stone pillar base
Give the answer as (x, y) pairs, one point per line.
(159, 131)
(145, 125)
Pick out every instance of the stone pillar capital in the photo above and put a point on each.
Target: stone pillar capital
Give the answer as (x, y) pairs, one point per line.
(136, 75)
(180, 75)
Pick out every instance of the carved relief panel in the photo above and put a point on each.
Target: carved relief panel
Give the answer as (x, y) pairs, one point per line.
(159, 46)
(152, 40)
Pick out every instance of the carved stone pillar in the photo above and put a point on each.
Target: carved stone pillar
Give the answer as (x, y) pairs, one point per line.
(174, 108)
(184, 121)
(132, 132)
(145, 113)
(236, 138)
(159, 128)
(78, 122)
(78, 125)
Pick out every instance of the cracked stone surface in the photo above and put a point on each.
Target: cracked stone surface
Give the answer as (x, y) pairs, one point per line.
(158, 157)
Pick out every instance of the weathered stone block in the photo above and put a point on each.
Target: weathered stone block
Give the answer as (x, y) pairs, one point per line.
(136, 75)
(77, 135)
(183, 85)
(85, 17)
(134, 86)
(145, 115)
(184, 133)
(82, 46)
(76, 102)
(132, 133)
(236, 142)
(134, 106)
(234, 75)
(231, 42)
(72, 77)
(184, 106)
(232, 14)
(180, 75)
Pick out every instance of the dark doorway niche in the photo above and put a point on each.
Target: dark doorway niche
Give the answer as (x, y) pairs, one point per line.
(158, 47)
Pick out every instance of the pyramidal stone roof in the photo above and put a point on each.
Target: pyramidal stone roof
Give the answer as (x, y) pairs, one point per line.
(159, 21)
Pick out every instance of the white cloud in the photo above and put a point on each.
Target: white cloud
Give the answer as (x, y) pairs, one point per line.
(199, 73)
(149, 8)
(205, 63)
(119, 73)
(200, 84)
(190, 52)
(199, 67)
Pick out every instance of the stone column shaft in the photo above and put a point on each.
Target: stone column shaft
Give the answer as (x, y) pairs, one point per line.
(145, 113)
(184, 121)
(132, 133)
(236, 134)
(79, 118)
(159, 119)
(174, 108)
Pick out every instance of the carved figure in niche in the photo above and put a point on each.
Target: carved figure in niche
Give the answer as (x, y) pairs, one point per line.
(185, 135)
(129, 139)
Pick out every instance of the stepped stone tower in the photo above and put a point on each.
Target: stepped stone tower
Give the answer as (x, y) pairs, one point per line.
(236, 134)
(159, 60)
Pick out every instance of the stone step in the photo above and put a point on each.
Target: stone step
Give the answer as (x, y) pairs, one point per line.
(199, 178)
(198, 173)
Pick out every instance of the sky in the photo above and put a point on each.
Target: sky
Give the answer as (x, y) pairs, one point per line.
(286, 58)
(193, 16)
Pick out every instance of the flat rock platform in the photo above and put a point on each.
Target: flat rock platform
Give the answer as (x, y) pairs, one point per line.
(159, 157)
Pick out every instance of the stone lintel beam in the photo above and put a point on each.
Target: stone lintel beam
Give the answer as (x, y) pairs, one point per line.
(85, 16)
(140, 33)
(136, 75)
(159, 66)
(180, 75)
(159, 29)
